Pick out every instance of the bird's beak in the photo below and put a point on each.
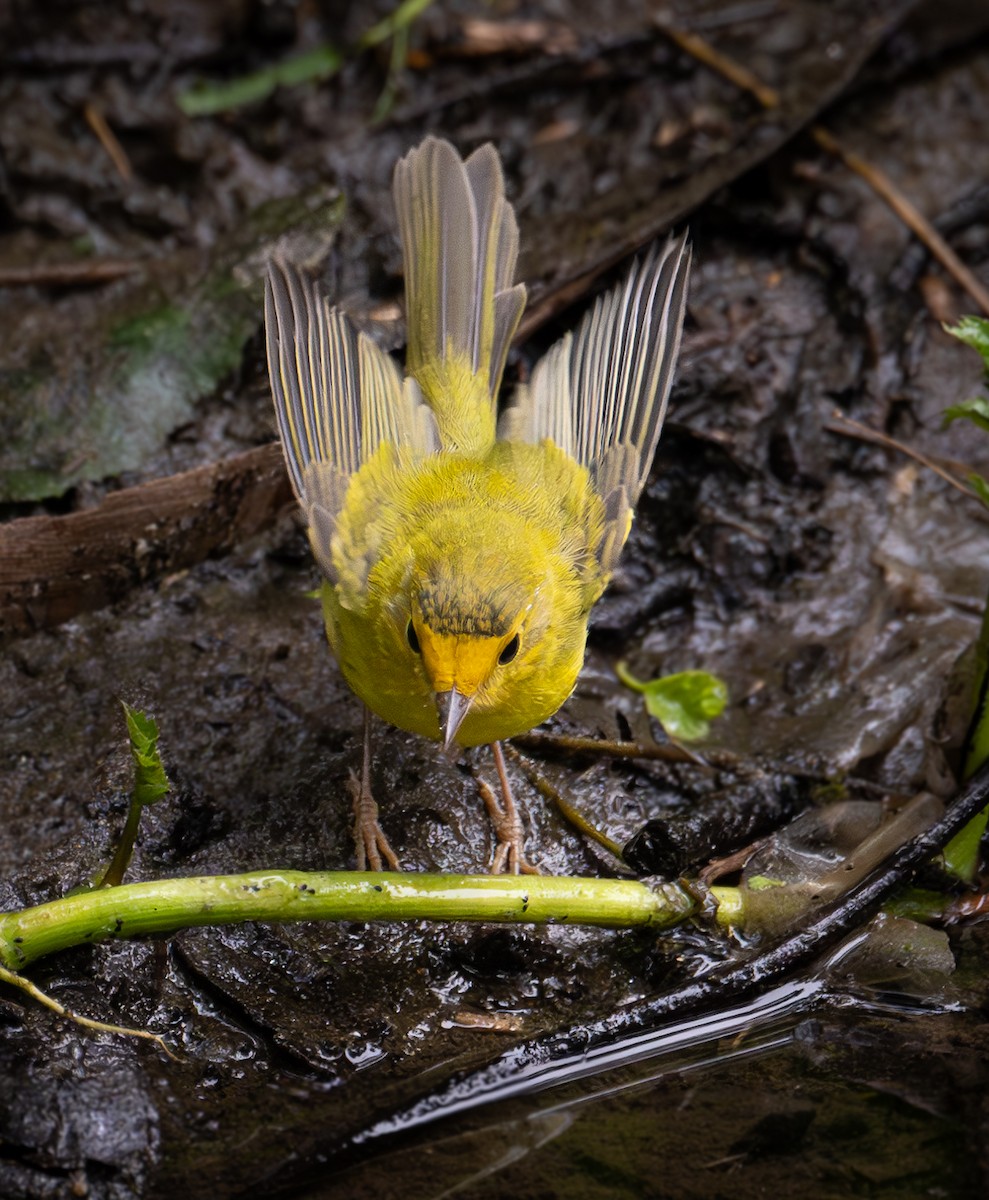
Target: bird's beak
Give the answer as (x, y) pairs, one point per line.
(452, 707)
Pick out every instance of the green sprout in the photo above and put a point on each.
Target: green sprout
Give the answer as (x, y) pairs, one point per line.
(150, 784)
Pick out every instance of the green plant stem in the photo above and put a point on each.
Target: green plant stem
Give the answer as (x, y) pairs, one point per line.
(396, 64)
(778, 905)
(962, 854)
(167, 905)
(114, 874)
(568, 811)
(396, 22)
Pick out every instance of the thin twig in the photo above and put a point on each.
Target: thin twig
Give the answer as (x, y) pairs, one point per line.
(705, 53)
(481, 38)
(908, 213)
(49, 1002)
(108, 140)
(70, 274)
(849, 427)
(569, 812)
(718, 760)
(613, 749)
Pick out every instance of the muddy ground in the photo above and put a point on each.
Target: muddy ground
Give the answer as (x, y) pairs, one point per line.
(831, 582)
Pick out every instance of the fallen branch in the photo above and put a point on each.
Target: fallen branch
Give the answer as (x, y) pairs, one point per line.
(53, 568)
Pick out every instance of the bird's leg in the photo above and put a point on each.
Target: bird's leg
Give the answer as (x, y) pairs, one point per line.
(509, 855)
(372, 845)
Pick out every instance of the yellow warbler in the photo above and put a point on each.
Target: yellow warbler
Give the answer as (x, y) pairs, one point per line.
(462, 554)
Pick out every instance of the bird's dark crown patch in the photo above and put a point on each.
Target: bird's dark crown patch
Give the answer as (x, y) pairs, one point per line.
(465, 610)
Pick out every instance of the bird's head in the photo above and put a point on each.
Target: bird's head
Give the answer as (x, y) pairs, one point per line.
(488, 630)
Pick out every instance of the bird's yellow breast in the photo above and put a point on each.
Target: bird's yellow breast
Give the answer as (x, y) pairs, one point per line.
(475, 535)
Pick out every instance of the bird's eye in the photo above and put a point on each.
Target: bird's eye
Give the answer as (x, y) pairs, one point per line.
(510, 650)
(413, 637)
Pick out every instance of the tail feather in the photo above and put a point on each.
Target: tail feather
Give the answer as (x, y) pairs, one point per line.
(460, 243)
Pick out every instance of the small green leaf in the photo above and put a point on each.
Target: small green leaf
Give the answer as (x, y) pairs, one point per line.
(974, 332)
(980, 486)
(962, 853)
(917, 904)
(206, 99)
(684, 704)
(975, 410)
(150, 780)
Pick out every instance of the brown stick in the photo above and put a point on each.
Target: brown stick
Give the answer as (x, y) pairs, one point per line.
(667, 752)
(53, 568)
(850, 428)
(734, 72)
(108, 140)
(877, 179)
(908, 213)
(67, 274)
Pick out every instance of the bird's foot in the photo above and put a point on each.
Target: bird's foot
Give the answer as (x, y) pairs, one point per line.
(373, 848)
(509, 856)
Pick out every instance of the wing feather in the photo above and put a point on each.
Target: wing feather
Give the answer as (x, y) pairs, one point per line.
(337, 397)
(601, 394)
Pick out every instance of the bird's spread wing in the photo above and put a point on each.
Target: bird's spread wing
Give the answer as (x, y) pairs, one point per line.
(600, 394)
(338, 397)
(460, 243)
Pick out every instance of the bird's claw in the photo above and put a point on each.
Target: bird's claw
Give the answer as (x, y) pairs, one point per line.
(373, 848)
(509, 860)
(509, 856)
